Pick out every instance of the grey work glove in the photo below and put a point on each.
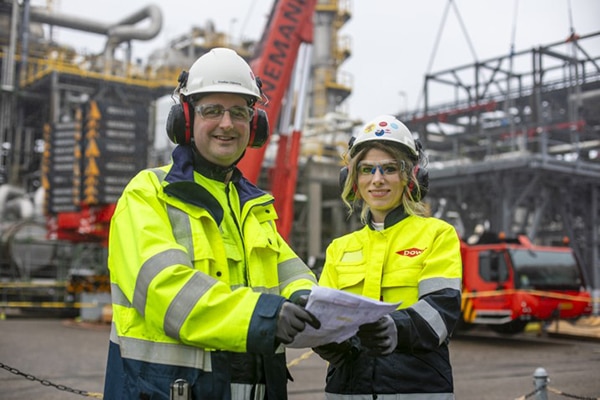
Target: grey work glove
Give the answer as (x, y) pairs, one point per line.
(291, 320)
(379, 337)
(301, 300)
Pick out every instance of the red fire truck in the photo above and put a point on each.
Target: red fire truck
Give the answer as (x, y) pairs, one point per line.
(508, 283)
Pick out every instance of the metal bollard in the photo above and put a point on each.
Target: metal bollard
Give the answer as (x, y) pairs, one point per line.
(540, 380)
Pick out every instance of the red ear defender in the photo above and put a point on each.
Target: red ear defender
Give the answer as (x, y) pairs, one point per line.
(188, 122)
(180, 123)
(180, 120)
(413, 189)
(259, 129)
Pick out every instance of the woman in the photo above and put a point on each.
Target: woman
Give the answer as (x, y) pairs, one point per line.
(399, 255)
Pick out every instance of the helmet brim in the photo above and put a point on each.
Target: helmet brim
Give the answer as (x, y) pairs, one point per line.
(224, 88)
(357, 147)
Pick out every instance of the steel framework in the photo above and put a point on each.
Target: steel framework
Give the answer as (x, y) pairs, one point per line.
(518, 150)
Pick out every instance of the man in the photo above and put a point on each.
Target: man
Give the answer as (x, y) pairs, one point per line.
(204, 289)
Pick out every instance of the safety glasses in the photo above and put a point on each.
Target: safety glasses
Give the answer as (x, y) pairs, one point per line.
(216, 111)
(385, 167)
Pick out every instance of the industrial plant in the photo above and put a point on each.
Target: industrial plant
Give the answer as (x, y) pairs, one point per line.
(515, 152)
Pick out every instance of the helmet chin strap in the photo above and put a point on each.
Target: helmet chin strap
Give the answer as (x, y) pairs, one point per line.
(210, 169)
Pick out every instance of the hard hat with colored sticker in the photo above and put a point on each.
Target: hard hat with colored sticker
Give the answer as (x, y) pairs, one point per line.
(384, 128)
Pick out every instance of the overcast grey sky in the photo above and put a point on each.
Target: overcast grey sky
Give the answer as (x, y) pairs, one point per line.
(393, 41)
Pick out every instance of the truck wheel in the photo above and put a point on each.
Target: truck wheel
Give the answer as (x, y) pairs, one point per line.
(511, 328)
(463, 326)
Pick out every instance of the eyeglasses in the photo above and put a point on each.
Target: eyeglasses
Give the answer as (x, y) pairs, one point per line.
(386, 167)
(216, 111)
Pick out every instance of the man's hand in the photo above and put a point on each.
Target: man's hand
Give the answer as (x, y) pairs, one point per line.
(291, 320)
(379, 337)
(301, 300)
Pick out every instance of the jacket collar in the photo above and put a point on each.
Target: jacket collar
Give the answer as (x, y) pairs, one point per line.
(392, 218)
(181, 182)
(186, 160)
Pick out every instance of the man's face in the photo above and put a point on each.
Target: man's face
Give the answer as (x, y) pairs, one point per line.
(221, 139)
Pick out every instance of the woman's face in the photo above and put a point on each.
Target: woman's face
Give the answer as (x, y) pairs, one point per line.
(380, 184)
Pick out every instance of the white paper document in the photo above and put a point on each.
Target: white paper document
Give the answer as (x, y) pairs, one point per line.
(340, 314)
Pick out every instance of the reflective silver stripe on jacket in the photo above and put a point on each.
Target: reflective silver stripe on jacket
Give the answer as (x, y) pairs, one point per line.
(242, 391)
(160, 174)
(180, 220)
(152, 267)
(118, 297)
(182, 229)
(163, 353)
(403, 396)
(184, 302)
(432, 317)
(427, 286)
(292, 270)
(181, 305)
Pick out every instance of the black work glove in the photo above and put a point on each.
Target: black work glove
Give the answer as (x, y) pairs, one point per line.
(291, 320)
(337, 353)
(379, 337)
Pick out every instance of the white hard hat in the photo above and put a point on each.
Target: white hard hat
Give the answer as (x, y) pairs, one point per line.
(384, 128)
(221, 70)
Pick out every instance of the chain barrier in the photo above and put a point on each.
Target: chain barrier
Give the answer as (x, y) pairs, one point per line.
(46, 382)
(572, 396)
(555, 391)
(85, 393)
(528, 395)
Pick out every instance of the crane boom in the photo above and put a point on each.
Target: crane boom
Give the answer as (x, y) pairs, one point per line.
(290, 25)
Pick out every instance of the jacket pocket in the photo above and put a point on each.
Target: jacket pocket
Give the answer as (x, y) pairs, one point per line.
(405, 276)
(401, 285)
(351, 276)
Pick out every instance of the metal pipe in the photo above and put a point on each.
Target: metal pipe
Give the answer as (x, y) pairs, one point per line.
(125, 30)
(14, 198)
(121, 31)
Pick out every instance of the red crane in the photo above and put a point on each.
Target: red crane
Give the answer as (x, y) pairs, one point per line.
(290, 25)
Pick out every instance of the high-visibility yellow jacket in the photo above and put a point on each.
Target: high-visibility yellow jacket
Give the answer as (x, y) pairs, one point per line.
(196, 266)
(417, 261)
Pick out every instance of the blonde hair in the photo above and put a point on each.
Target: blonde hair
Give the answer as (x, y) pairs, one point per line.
(351, 197)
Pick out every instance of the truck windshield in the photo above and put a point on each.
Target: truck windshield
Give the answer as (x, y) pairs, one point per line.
(548, 270)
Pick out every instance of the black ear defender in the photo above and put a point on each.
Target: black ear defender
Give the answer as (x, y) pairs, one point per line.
(344, 175)
(421, 173)
(180, 121)
(342, 182)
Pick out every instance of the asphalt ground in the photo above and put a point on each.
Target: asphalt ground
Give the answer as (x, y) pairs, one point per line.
(61, 359)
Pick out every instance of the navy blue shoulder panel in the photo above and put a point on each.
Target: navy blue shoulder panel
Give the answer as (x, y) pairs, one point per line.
(183, 186)
(192, 193)
(247, 190)
(183, 165)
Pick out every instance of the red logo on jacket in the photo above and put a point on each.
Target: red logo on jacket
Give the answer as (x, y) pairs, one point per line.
(410, 252)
